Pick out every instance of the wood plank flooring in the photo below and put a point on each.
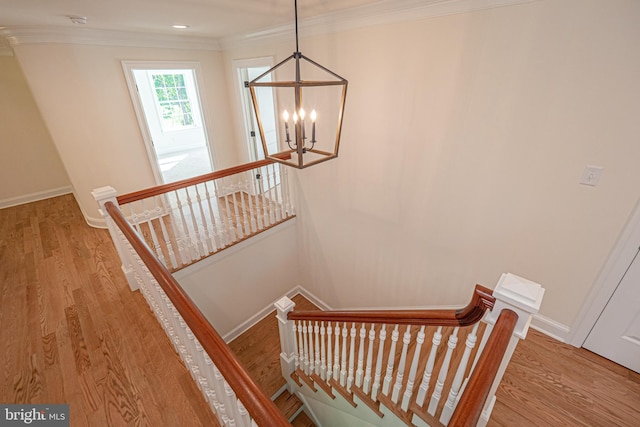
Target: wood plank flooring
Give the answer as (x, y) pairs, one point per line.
(72, 332)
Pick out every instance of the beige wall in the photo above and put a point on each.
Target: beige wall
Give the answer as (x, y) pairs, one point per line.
(30, 167)
(463, 143)
(246, 279)
(82, 93)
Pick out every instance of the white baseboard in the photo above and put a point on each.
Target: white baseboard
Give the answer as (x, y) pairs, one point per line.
(34, 197)
(550, 327)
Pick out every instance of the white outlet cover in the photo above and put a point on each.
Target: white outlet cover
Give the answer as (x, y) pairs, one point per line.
(591, 175)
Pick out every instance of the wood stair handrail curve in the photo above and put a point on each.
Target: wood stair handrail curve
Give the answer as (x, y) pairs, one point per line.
(481, 301)
(472, 401)
(172, 186)
(259, 405)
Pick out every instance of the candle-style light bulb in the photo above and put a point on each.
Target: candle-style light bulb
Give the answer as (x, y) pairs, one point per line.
(302, 114)
(295, 118)
(313, 126)
(285, 116)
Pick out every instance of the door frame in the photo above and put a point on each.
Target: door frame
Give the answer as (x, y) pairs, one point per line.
(128, 66)
(263, 61)
(620, 258)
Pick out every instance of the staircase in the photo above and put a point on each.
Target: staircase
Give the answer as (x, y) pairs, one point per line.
(349, 368)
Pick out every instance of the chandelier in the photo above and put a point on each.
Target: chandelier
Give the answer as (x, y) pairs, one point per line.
(311, 110)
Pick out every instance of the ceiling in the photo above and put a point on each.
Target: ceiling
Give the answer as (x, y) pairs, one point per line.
(205, 18)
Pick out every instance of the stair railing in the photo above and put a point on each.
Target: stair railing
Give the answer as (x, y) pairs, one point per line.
(380, 357)
(227, 386)
(186, 221)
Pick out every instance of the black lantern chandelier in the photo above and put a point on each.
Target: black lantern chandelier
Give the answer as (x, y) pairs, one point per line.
(303, 137)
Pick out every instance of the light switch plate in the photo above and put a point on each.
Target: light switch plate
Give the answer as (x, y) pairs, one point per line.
(591, 175)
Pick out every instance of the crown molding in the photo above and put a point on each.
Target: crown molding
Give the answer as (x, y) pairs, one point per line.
(382, 12)
(5, 49)
(23, 35)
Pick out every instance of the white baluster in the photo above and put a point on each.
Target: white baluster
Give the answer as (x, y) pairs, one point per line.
(426, 378)
(390, 361)
(312, 362)
(444, 369)
(248, 180)
(243, 203)
(316, 334)
(209, 241)
(336, 353)
(177, 221)
(220, 392)
(301, 355)
(323, 353)
(343, 367)
(376, 380)
(278, 213)
(306, 348)
(218, 238)
(167, 238)
(193, 251)
(154, 236)
(194, 223)
(244, 415)
(408, 392)
(272, 217)
(231, 231)
(457, 380)
(238, 220)
(295, 343)
(352, 354)
(360, 369)
(230, 402)
(368, 369)
(329, 352)
(406, 339)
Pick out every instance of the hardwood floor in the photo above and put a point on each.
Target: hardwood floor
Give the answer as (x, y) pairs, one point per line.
(553, 384)
(72, 331)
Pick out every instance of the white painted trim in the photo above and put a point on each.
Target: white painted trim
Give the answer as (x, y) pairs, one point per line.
(381, 12)
(550, 327)
(377, 13)
(21, 35)
(5, 48)
(619, 260)
(232, 250)
(34, 197)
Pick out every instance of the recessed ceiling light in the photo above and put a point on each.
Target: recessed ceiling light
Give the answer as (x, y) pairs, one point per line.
(180, 26)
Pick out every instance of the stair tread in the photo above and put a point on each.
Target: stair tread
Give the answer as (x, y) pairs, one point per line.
(302, 420)
(288, 403)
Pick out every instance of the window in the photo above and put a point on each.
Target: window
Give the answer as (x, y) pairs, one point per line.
(175, 107)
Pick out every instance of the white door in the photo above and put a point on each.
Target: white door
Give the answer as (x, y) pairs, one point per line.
(616, 334)
(169, 111)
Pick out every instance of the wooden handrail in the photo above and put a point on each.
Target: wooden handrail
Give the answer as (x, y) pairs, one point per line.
(165, 188)
(259, 406)
(482, 301)
(472, 402)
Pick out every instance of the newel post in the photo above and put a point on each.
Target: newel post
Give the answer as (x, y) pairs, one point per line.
(524, 297)
(103, 195)
(288, 347)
